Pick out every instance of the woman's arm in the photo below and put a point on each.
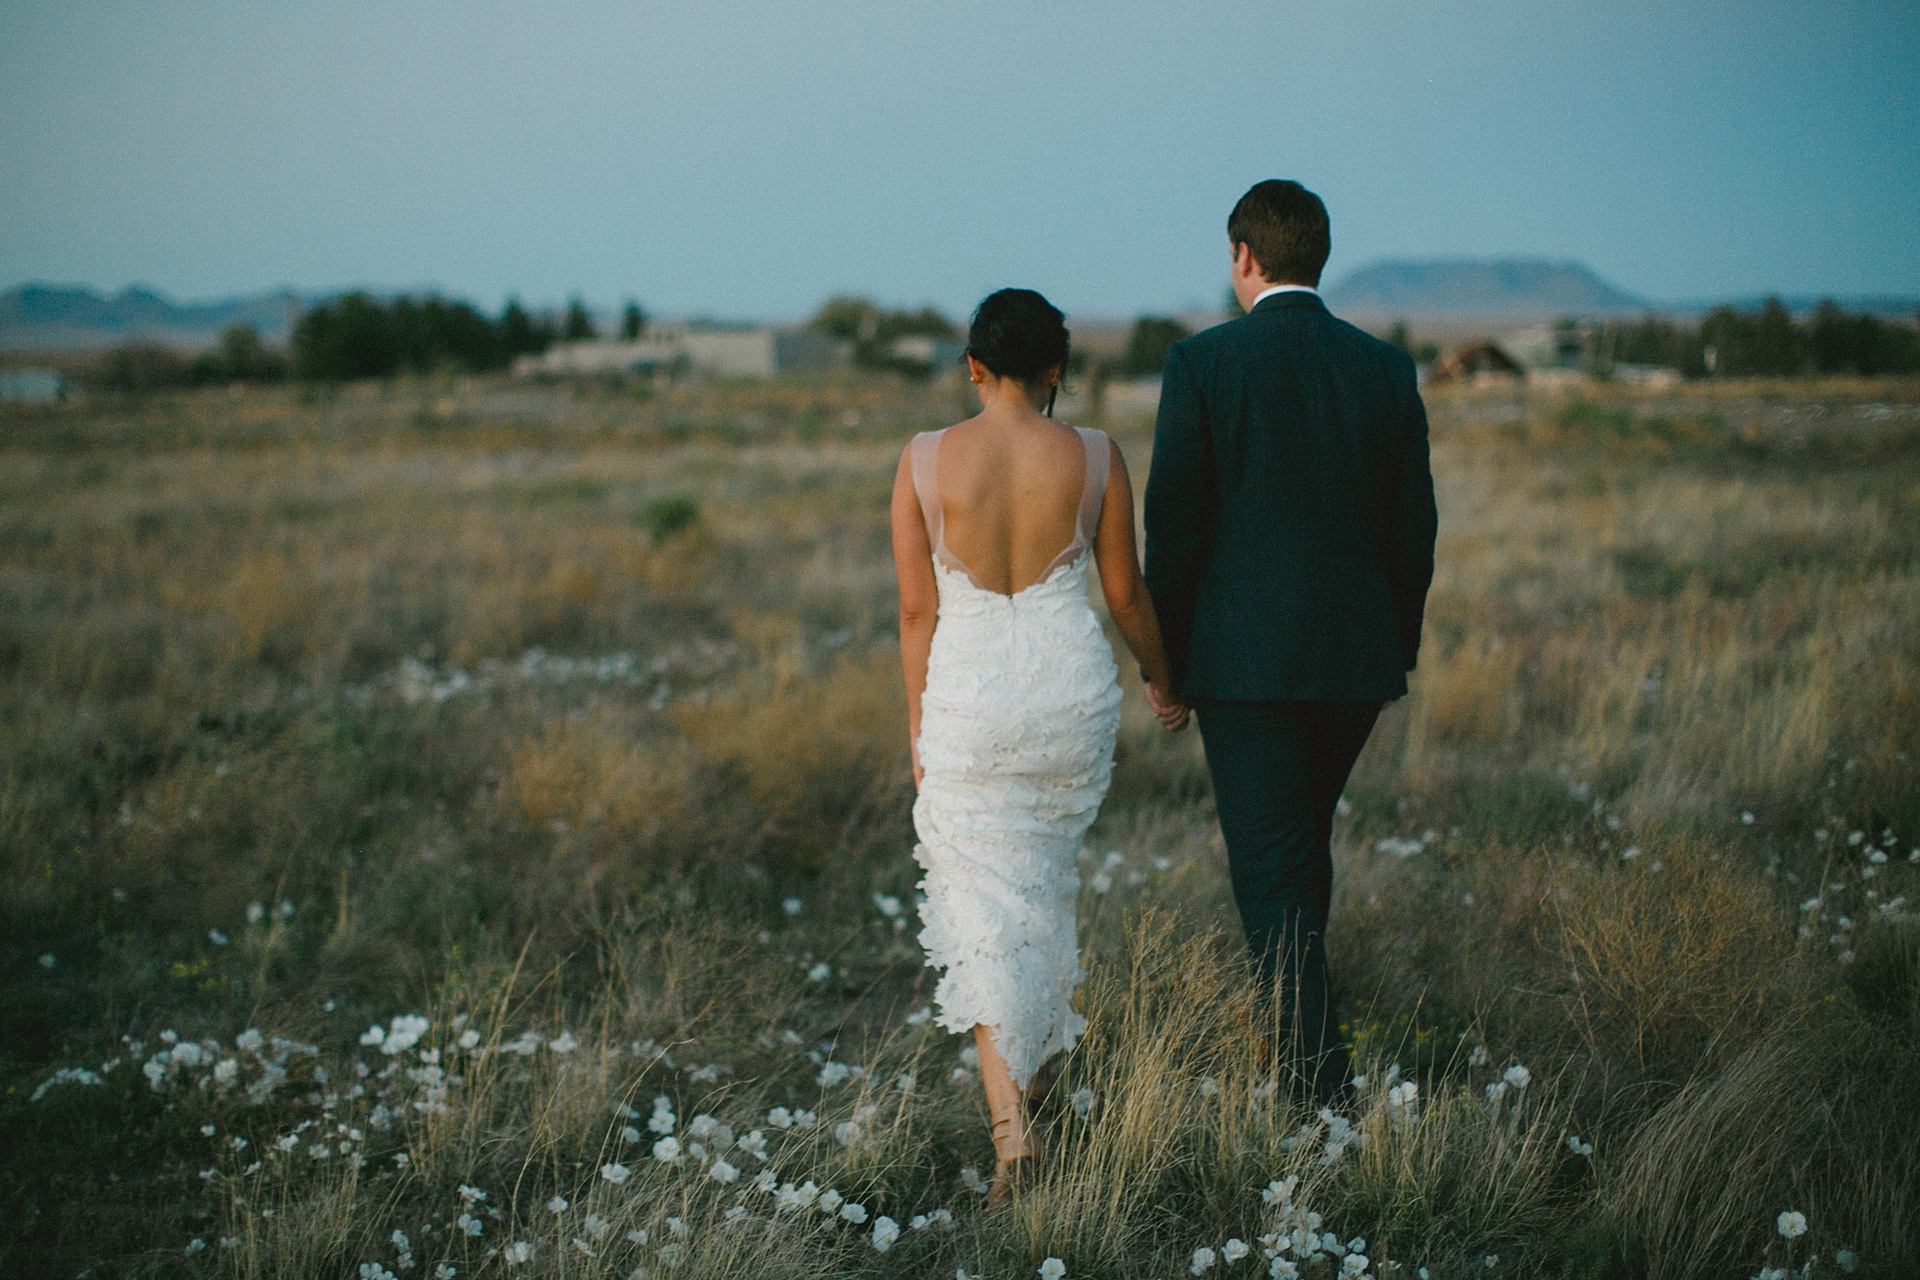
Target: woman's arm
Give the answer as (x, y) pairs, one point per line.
(919, 597)
(1126, 593)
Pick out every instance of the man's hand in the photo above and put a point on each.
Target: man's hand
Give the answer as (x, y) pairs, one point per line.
(1167, 707)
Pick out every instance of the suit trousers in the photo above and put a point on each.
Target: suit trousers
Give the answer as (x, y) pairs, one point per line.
(1278, 769)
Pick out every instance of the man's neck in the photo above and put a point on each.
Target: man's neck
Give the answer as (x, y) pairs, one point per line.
(1272, 289)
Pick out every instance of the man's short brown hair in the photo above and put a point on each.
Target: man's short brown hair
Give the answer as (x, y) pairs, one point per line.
(1285, 225)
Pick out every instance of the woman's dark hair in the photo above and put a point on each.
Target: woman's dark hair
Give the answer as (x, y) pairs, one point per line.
(1017, 333)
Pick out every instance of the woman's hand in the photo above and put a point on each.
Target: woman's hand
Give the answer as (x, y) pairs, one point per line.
(1168, 708)
(919, 772)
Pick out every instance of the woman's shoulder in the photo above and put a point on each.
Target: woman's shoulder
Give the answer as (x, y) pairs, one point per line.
(922, 442)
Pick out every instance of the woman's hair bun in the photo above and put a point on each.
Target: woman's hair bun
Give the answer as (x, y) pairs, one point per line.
(1017, 333)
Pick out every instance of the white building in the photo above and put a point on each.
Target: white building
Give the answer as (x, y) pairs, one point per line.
(32, 385)
(758, 352)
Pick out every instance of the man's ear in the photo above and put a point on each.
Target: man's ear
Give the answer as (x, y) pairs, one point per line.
(1243, 261)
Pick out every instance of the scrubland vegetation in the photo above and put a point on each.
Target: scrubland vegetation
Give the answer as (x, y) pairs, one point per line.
(461, 828)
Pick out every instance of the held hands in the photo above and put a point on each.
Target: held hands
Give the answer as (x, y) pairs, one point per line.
(1167, 707)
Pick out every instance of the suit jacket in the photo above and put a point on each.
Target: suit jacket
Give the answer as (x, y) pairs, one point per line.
(1289, 512)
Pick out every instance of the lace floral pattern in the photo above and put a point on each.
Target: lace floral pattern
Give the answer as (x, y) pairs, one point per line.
(1016, 738)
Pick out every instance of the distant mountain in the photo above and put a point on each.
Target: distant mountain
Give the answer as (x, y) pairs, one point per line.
(50, 317)
(1506, 288)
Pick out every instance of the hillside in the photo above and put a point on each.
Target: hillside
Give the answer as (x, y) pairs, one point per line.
(1508, 288)
(40, 316)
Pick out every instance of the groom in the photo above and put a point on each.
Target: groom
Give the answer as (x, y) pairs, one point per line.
(1290, 529)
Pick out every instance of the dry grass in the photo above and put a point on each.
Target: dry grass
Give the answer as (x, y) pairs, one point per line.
(422, 663)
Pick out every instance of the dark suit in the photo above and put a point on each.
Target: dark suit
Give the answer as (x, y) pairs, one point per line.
(1290, 528)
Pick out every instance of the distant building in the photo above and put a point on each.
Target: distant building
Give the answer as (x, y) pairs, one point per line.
(935, 353)
(1477, 363)
(759, 352)
(1547, 346)
(32, 385)
(1652, 376)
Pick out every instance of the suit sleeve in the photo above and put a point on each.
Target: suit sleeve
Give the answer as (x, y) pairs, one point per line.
(1179, 508)
(1415, 523)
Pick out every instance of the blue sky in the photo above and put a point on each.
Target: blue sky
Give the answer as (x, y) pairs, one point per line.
(747, 159)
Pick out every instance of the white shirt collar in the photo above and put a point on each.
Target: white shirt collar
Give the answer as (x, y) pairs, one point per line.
(1272, 289)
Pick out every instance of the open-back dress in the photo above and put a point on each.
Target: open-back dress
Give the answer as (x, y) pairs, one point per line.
(1016, 742)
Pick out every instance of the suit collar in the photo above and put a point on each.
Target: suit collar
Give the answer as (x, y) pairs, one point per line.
(1292, 299)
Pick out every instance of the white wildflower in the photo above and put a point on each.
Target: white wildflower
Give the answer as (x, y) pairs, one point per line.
(563, 1043)
(403, 1033)
(1233, 1250)
(820, 972)
(1517, 1076)
(1203, 1259)
(518, 1252)
(722, 1172)
(1280, 1191)
(1052, 1269)
(830, 1200)
(616, 1173)
(1479, 1057)
(468, 1223)
(971, 1180)
(792, 906)
(1578, 1147)
(667, 1150)
(854, 1213)
(780, 1118)
(1082, 1100)
(471, 1195)
(557, 1205)
(1790, 1224)
(888, 904)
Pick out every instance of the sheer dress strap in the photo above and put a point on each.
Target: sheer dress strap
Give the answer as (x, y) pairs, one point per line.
(923, 455)
(1094, 496)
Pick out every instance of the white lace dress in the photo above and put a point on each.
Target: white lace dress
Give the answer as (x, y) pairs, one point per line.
(1016, 740)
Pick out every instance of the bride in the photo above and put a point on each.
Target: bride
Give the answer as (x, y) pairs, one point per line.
(1012, 701)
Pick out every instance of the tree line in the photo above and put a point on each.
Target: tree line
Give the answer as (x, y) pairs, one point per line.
(358, 336)
(1767, 343)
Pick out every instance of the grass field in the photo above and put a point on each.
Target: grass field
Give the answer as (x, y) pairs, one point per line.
(419, 801)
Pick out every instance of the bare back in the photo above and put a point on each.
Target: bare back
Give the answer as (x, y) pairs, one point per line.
(1007, 505)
